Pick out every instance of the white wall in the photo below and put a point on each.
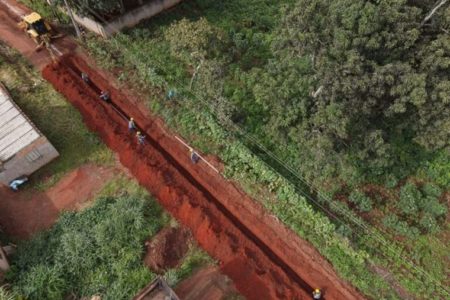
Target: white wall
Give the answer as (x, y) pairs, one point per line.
(129, 19)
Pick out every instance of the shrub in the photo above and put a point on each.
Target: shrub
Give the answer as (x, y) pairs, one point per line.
(428, 223)
(431, 190)
(391, 181)
(433, 207)
(44, 282)
(363, 202)
(95, 250)
(7, 295)
(409, 196)
(400, 227)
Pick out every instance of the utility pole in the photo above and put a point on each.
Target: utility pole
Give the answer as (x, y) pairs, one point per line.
(69, 10)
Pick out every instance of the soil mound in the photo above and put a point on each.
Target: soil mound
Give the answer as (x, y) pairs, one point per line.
(167, 248)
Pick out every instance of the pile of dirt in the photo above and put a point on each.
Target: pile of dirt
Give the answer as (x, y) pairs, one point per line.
(167, 248)
(206, 284)
(263, 258)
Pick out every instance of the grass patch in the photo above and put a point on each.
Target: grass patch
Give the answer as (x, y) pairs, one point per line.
(57, 119)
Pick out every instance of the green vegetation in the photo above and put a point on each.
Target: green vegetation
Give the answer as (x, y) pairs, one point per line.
(94, 251)
(54, 116)
(97, 251)
(6, 295)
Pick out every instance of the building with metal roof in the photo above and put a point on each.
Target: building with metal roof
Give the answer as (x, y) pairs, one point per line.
(23, 148)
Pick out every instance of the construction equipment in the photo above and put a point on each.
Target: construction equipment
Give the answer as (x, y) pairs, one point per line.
(38, 30)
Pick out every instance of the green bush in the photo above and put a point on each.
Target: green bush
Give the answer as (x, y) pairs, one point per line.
(431, 190)
(428, 223)
(400, 227)
(96, 251)
(363, 202)
(7, 295)
(409, 197)
(44, 282)
(434, 208)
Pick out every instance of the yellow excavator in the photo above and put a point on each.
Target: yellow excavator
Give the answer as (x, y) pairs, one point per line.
(38, 30)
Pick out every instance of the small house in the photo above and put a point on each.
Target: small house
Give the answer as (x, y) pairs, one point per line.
(23, 148)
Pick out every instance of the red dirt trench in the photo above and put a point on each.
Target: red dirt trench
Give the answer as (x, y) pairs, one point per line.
(263, 258)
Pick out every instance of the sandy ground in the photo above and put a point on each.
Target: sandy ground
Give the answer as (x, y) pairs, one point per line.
(23, 214)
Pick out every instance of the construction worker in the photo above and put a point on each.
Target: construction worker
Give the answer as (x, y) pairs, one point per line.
(140, 138)
(170, 95)
(104, 95)
(85, 77)
(131, 125)
(317, 294)
(194, 156)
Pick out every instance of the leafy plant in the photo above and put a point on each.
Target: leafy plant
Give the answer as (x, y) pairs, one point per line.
(409, 197)
(94, 251)
(7, 295)
(363, 202)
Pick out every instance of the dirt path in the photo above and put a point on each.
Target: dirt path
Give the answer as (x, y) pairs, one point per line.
(15, 38)
(25, 213)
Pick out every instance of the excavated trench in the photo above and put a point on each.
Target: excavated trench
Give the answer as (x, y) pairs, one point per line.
(246, 250)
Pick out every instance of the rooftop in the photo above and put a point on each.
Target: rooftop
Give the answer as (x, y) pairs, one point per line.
(16, 130)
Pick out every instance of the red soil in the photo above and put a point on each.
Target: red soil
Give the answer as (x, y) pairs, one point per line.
(206, 284)
(24, 213)
(10, 14)
(263, 258)
(167, 248)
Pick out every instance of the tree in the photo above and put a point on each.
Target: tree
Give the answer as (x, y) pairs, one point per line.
(381, 76)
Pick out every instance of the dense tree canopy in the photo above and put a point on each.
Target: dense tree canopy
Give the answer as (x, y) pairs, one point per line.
(360, 75)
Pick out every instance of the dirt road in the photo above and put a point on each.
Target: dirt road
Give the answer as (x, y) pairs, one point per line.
(263, 258)
(25, 213)
(10, 12)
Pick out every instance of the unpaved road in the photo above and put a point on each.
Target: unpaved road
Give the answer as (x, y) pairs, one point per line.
(28, 212)
(263, 258)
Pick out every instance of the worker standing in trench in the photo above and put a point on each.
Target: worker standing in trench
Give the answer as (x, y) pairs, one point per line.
(140, 138)
(104, 95)
(131, 125)
(194, 156)
(317, 294)
(85, 77)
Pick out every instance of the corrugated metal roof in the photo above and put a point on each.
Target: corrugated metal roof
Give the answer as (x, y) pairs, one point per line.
(16, 131)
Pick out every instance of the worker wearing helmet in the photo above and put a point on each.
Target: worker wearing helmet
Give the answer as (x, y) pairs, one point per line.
(194, 156)
(85, 77)
(140, 138)
(131, 125)
(317, 294)
(104, 95)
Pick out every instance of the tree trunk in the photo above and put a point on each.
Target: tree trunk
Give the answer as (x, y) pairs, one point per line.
(433, 11)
